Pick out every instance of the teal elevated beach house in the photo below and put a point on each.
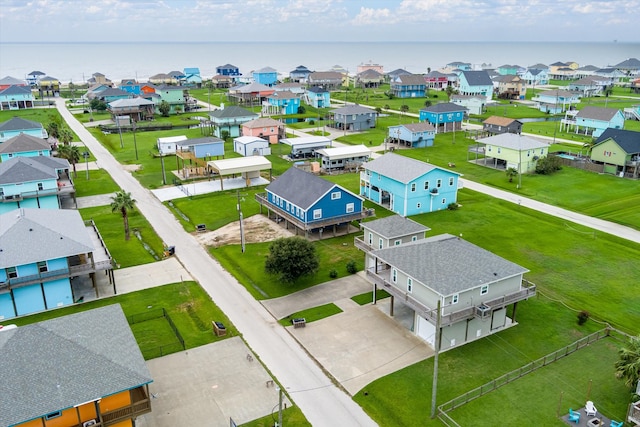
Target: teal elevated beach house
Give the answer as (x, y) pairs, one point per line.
(230, 119)
(444, 117)
(24, 145)
(266, 76)
(42, 251)
(407, 186)
(318, 97)
(17, 125)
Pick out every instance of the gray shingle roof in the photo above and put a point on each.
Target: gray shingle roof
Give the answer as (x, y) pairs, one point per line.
(597, 113)
(477, 78)
(628, 140)
(18, 123)
(29, 169)
(317, 89)
(266, 70)
(444, 107)
(113, 92)
(399, 168)
(419, 127)
(23, 142)
(199, 141)
(412, 79)
(631, 63)
(353, 109)
(62, 362)
(58, 232)
(262, 122)
(448, 265)
(232, 111)
(394, 226)
(300, 188)
(16, 90)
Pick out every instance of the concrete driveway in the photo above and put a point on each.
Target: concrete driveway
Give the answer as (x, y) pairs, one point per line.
(205, 386)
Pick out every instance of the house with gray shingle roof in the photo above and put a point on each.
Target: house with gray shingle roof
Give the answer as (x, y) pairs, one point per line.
(267, 76)
(444, 116)
(409, 86)
(510, 150)
(414, 135)
(34, 182)
(407, 186)
(556, 101)
(330, 80)
(390, 231)
(310, 203)
(630, 66)
(619, 151)
(354, 117)
(496, 125)
(85, 368)
(230, 119)
(41, 252)
(475, 104)
(475, 83)
(472, 286)
(16, 98)
(592, 120)
(136, 108)
(24, 145)
(17, 125)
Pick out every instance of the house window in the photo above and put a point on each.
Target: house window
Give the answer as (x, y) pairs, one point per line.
(53, 415)
(350, 207)
(418, 205)
(426, 185)
(12, 272)
(444, 201)
(409, 284)
(439, 183)
(335, 195)
(414, 238)
(1, 192)
(484, 290)
(498, 150)
(397, 242)
(317, 213)
(42, 266)
(380, 243)
(451, 181)
(455, 298)
(413, 187)
(394, 275)
(370, 238)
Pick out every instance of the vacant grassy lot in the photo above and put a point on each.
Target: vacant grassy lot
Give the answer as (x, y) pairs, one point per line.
(189, 306)
(155, 337)
(99, 182)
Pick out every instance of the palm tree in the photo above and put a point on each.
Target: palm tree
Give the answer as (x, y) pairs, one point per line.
(72, 154)
(65, 135)
(404, 108)
(628, 367)
(511, 173)
(123, 203)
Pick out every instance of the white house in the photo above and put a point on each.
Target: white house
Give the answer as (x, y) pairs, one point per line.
(167, 145)
(251, 146)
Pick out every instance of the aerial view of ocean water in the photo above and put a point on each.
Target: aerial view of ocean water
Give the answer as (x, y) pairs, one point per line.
(78, 61)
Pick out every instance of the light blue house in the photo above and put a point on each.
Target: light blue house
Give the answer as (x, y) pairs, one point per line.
(113, 94)
(34, 182)
(407, 186)
(40, 252)
(192, 76)
(409, 86)
(475, 83)
(556, 101)
(230, 119)
(24, 145)
(33, 77)
(266, 76)
(536, 76)
(444, 117)
(131, 86)
(508, 69)
(17, 125)
(202, 148)
(300, 74)
(310, 203)
(458, 65)
(318, 97)
(16, 98)
(593, 120)
(414, 135)
(284, 102)
(475, 104)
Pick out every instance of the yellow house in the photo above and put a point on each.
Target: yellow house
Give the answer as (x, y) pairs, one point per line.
(80, 370)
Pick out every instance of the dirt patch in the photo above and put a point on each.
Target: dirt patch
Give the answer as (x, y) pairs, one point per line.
(257, 228)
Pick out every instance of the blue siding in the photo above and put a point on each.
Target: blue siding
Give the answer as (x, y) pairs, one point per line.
(215, 149)
(58, 264)
(28, 299)
(334, 208)
(6, 306)
(440, 118)
(57, 293)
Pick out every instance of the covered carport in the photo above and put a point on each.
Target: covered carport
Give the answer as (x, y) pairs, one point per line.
(247, 167)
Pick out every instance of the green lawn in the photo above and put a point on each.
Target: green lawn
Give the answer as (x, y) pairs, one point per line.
(189, 306)
(367, 297)
(111, 227)
(99, 182)
(291, 416)
(155, 338)
(312, 314)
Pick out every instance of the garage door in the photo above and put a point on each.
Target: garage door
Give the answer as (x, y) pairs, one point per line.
(426, 330)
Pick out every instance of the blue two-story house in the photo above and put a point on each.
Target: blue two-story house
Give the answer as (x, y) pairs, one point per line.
(282, 102)
(318, 97)
(16, 98)
(131, 86)
(556, 101)
(310, 203)
(407, 186)
(230, 119)
(192, 76)
(593, 120)
(409, 86)
(17, 125)
(444, 117)
(414, 135)
(475, 83)
(24, 145)
(34, 182)
(300, 74)
(266, 76)
(228, 70)
(40, 252)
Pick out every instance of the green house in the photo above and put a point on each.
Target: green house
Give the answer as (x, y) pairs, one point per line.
(619, 151)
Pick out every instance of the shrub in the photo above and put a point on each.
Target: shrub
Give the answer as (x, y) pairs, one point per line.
(583, 316)
(548, 165)
(351, 267)
(453, 206)
(333, 273)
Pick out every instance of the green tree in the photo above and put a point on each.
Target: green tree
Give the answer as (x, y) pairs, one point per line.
(511, 173)
(98, 105)
(164, 108)
(428, 104)
(291, 258)
(54, 125)
(301, 109)
(548, 165)
(628, 367)
(65, 135)
(123, 202)
(72, 154)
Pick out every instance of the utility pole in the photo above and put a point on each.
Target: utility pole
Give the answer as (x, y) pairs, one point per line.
(86, 155)
(279, 406)
(434, 387)
(135, 143)
(241, 227)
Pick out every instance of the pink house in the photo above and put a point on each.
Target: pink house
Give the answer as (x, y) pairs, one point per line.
(265, 128)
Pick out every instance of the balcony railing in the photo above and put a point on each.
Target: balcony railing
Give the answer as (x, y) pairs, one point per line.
(528, 290)
(128, 412)
(50, 275)
(359, 243)
(634, 413)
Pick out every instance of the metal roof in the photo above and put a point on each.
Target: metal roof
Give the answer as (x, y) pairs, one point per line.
(240, 165)
(513, 141)
(394, 226)
(344, 152)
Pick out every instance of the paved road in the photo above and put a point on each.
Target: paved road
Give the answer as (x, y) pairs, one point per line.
(319, 399)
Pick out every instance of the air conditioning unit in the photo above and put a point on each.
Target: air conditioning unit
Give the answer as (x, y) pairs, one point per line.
(89, 423)
(483, 311)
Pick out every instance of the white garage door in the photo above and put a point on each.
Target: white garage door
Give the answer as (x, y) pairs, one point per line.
(426, 330)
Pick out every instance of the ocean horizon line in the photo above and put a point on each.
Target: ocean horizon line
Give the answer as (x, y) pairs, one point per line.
(321, 42)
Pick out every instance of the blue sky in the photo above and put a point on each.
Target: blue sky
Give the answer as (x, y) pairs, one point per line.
(319, 20)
